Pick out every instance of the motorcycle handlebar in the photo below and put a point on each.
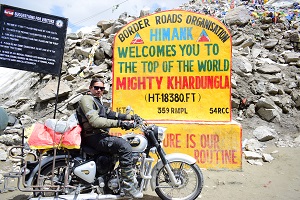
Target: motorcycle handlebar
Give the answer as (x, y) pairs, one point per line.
(138, 121)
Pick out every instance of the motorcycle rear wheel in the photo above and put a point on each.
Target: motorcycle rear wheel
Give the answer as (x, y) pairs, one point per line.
(191, 182)
(46, 183)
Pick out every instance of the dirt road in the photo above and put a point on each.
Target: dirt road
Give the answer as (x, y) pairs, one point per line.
(277, 180)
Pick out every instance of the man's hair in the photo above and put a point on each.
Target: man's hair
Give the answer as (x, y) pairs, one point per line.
(94, 80)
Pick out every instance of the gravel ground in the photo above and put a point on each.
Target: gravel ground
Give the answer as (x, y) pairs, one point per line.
(277, 180)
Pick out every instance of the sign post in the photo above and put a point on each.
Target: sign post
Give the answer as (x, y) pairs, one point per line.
(174, 68)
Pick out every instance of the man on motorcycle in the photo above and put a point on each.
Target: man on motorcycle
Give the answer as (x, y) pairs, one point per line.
(96, 120)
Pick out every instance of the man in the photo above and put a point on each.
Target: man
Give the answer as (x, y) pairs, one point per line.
(96, 120)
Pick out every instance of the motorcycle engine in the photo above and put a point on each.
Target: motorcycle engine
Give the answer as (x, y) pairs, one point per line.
(113, 184)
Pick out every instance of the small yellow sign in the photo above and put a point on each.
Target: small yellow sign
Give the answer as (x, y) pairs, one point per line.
(176, 65)
(213, 145)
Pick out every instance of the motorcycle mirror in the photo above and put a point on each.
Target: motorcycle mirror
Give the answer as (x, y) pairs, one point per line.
(3, 119)
(128, 110)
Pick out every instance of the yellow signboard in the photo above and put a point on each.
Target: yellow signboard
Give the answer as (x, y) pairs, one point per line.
(175, 65)
(213, 145)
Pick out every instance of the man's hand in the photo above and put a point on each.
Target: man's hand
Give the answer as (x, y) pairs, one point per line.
(126, 125)
(134, 116)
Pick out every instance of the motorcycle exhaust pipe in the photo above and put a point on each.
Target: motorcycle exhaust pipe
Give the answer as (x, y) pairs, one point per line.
(82, 197)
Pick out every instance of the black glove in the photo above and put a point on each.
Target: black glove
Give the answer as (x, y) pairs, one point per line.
(126, 125)
(135, 116)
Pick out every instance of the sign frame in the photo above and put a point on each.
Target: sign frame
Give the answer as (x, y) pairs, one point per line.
(31, 41)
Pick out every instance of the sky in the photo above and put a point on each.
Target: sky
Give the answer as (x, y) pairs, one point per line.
(84, 14)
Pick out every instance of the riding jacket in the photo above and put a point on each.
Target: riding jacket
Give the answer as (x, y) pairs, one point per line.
(96, 118)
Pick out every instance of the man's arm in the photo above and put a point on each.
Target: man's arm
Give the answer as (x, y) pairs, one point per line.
(116, 115)
(87, 105)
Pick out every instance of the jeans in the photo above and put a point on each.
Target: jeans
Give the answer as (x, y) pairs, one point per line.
(112, 145)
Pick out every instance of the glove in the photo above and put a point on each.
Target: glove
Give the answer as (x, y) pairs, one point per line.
(135, 116)
(126, 125)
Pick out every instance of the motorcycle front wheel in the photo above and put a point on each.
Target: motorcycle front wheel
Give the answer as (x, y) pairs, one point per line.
(191, 182)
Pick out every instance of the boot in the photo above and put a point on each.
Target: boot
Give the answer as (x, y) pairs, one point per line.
(128, 183)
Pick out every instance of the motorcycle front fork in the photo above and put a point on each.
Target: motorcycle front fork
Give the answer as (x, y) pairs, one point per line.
(174, 182)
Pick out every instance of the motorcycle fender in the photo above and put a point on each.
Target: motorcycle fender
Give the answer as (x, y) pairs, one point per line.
(43, 163)
(171, 158)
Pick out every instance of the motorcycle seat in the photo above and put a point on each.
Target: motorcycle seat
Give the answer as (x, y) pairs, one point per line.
(89, 150)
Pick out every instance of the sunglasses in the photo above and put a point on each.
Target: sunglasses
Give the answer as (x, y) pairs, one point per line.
(97, 88)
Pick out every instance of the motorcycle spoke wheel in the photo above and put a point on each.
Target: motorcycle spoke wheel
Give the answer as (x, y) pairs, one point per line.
(49, 182)
(191, 182)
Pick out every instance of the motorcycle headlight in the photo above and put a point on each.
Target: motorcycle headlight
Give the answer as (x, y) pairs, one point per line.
(161, 133)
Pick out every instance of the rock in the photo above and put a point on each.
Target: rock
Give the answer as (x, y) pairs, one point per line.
(241, 66)
(98, 69)
(295, 36)
(73, 100)
(245, 51)
(235, 103)
(84, 51)
(105, 24)
(265, 103)
(253, 145)
(144, 12)
(269, 114)
(10, 140)
(3, 155)
(72, 36)
(107, 47)
(269, 69)
(272, 89)
(13, 130)
(50, 90)
(25, 119)
(270, 43)
(292, 85)
(266, 20)
(297, 140)
(233, 83)
(260, 88)
(74, 70)
(274, 152)
(248, 43)
(99, 54)
(255, 162)
(252, 155)
(239, 40)
(272, 78)
(238, 16)
(250, 112)
(264, 133)
(256, 50)
(291, 57)
(12, 120)
(267, 157)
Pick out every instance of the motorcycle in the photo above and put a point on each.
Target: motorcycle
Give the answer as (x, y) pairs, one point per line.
(86, 174)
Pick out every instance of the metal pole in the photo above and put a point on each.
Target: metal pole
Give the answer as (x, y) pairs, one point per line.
(56, 101)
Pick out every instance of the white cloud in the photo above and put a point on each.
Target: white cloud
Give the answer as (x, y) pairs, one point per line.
(89, 12)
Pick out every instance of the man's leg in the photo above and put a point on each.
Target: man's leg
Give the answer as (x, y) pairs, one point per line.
(117, 145)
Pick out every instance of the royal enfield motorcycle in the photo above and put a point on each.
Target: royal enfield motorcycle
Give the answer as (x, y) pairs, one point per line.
(87, 174)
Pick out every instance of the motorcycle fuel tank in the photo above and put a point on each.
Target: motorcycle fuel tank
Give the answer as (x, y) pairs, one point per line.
(86, 171)
(138, 142)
